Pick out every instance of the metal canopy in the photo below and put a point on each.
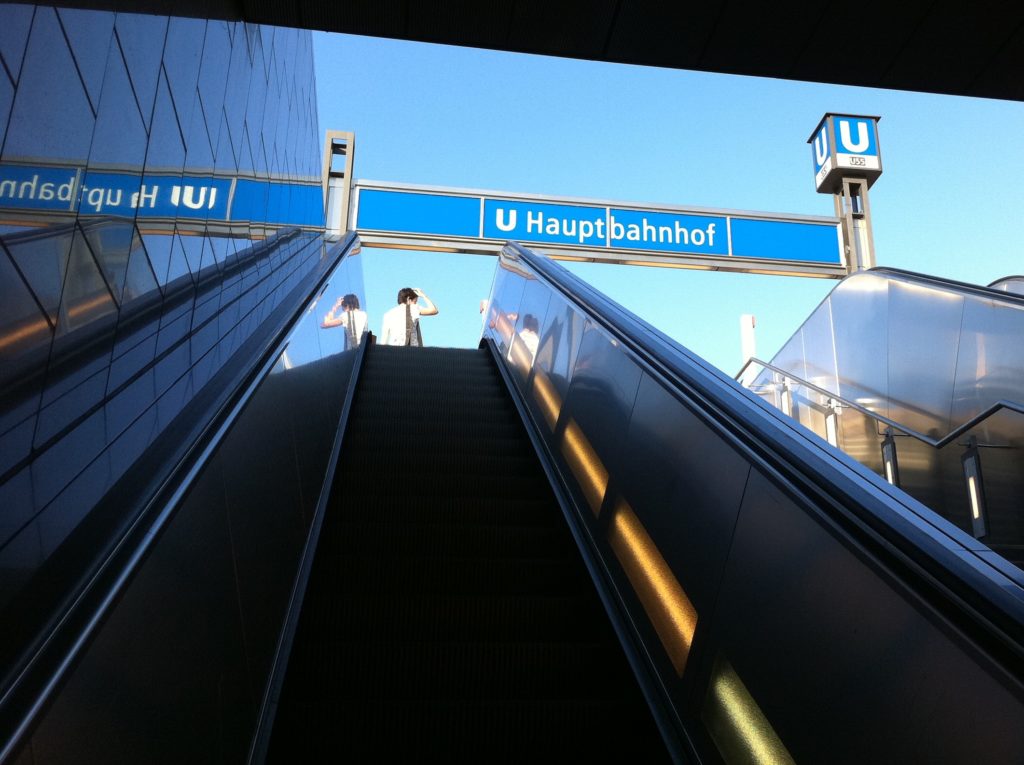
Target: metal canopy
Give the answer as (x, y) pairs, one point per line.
(943, 46)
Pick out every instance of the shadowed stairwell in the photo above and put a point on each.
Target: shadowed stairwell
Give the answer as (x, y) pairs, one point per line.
(449, 613)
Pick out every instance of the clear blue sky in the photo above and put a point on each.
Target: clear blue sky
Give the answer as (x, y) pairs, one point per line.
(949, 203)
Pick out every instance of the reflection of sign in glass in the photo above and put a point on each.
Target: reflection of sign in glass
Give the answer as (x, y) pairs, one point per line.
(99, 192)
(614, 228)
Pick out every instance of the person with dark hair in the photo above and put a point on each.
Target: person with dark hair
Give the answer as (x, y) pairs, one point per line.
(402, 323)
(351, 317)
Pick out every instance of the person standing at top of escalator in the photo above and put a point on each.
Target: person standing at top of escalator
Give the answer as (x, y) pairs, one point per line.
(402, 323)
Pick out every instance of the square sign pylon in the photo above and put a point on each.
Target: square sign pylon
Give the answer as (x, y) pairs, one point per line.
(845, 146)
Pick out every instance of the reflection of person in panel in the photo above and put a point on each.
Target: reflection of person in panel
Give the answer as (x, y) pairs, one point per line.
(529, 334)
(402, 323)
(347, 313)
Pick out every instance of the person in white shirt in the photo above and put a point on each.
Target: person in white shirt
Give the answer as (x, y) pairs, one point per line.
(348, 314)
(402, 323)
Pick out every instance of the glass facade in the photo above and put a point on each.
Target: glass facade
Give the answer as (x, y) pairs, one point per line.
(161, 216)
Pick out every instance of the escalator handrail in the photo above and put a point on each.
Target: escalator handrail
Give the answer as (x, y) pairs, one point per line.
(940, 562)
(941, 282)
(56, 651)
(938, 443)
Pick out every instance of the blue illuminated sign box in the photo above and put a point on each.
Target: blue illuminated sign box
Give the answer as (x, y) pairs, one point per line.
(610, 228)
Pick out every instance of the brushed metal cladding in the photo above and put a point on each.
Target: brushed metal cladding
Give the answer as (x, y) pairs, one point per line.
(669, 456)
(562, 334)
(506, 297)
(839, 658)
(601, 397)
(123, 702)
(265, 512)
(861, 334)
(933, 356)
(1011, 284)
(989, 364)
(923, 341)
(532, 311)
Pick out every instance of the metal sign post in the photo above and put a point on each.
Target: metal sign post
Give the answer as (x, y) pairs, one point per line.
(339, 155)
(847, 161)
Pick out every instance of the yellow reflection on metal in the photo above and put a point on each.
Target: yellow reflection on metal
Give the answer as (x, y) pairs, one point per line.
(736, 723)
(547, 397)
(671, 612)
(520, 356)
(416, 247)
(658, 264)
(39, 328)
(590, 472)
(555, 256)
(502, 323)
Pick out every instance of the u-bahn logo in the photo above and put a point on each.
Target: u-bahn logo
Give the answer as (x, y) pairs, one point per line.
(844, 145)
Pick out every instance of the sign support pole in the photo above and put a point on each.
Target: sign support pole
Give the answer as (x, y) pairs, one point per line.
(339, 155)
(847, 161)
(853, 208)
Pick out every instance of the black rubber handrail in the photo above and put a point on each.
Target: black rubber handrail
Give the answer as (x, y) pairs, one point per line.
(938, 443)
(903, 535)
(56, 651)
(282, 653)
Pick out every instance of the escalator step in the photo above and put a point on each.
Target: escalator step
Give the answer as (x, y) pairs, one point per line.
(458, 669)
(448, 613)
(444, 617)
(476, 731)
(389, 541)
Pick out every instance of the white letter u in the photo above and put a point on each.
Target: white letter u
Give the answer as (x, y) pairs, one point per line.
(821, 147)
(862, 136)
(189, 197)
(502, 223)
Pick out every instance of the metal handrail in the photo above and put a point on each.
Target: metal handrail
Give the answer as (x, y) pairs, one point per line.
(938, 443)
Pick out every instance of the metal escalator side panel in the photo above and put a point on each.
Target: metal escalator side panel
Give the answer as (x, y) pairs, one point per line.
(786, 550)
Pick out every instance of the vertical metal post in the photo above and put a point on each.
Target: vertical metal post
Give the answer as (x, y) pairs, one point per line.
(971, 463)
(854, 210)
(748, 346)
(339, 157)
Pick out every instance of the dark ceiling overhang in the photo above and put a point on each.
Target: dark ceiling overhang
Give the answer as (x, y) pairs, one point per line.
(953, 47)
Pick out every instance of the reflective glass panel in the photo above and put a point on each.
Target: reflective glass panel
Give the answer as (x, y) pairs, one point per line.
(89, 33)
(182, 57)
(14, 34)
(50, 98)
(120, 136)
(142, 42)
(86, 297)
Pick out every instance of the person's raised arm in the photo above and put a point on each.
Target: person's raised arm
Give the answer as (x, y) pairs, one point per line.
(428, 309)
(332, 319)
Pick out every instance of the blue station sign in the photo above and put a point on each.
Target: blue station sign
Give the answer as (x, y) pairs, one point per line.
(610, 231)
(157, 196)
(845, 145)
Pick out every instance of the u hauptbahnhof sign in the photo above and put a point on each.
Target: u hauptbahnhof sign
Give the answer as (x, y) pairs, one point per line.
(398, 215)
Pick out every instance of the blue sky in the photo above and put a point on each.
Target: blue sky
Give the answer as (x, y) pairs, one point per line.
(948, 203)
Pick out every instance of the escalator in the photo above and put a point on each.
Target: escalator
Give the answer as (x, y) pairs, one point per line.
(580, 541)
(448, 610)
